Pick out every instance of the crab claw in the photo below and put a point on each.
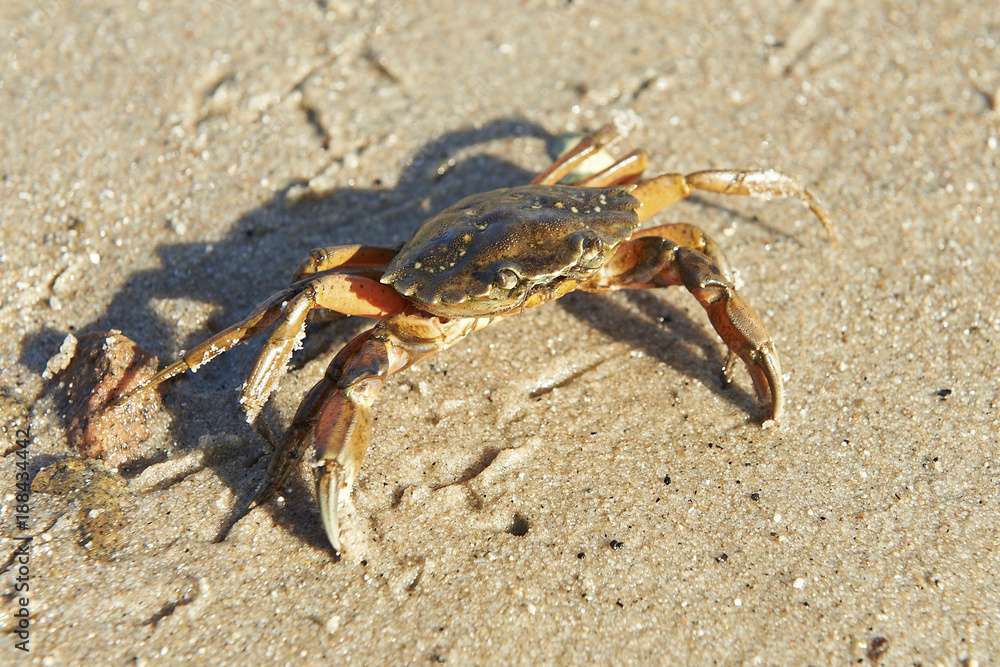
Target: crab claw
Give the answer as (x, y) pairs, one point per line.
(765, 371)
(330, 478)
(746, 337)
(342, 433)
(734, 320)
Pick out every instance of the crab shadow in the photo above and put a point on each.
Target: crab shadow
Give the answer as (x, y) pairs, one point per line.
(256, 257)
(646, 321)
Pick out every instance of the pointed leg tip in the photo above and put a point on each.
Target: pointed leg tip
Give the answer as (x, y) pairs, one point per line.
(774, 409)
(777, 409)
(777, 390)
(765, 371)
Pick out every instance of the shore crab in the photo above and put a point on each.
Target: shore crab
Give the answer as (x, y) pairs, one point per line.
(488, 256)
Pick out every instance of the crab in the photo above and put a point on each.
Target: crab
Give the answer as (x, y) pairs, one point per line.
(489, 256)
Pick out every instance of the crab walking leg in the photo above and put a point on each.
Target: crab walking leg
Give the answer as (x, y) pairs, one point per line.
(624, 172)
(579, 154)
(659, 262)
(258, 320)
(662, 191)
(690, 236)
(294, 439)
(341, 421)
(347, 293)
(344, 257)
(368, 261)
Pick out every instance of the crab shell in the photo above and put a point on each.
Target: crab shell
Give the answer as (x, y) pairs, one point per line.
(511, 248)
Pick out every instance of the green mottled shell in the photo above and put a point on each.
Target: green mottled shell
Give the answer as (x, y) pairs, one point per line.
(542, 233)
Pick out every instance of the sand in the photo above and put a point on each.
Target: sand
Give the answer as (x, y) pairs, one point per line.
(572, 484)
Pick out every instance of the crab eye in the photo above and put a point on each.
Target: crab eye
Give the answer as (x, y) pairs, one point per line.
(505, 279)
(591, 249)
